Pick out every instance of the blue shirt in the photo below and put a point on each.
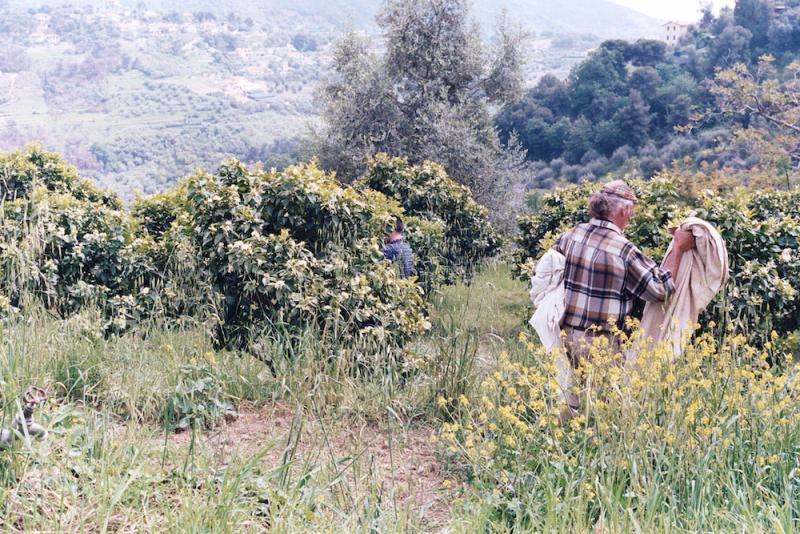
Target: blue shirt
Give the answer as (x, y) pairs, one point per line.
(400, 253)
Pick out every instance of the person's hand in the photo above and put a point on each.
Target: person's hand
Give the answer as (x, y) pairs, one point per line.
(683, 239)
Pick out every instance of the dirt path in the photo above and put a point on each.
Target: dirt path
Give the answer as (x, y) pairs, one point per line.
(404, 462)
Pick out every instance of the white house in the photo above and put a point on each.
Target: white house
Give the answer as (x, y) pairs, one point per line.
(674, 30)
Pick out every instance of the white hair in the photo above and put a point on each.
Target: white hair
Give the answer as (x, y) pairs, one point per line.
(603, 205)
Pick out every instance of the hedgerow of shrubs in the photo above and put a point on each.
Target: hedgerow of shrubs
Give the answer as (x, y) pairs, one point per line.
(23, 170)
(259, 252)
(295, 249)
(61, 239)
(760, 229)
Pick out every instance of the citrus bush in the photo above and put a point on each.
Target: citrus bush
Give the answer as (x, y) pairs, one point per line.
(426, 191)
(61, 239)
(70, 245)
(288, 251)
(32, 166)
(258, 251)
(427, 240)
(656, 446)
(760, 229)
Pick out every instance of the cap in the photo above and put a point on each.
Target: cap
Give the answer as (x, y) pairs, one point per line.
(618, 188)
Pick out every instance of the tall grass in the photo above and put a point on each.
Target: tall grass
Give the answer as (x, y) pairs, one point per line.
(705, 444)
(112, 462)
(710, 444)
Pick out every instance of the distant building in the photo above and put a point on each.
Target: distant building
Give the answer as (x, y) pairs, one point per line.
(244, 53)
(673, 31)
(261, 96)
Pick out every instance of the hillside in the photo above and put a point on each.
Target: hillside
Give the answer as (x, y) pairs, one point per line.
(138, 94)
(138, 100)
(602, 18)
(637, 108)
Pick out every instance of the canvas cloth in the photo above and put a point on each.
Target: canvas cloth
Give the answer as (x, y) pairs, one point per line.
(547, 295)
(701, 274)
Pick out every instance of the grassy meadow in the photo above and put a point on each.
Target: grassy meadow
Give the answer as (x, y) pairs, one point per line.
(316, 448)
(462, 437)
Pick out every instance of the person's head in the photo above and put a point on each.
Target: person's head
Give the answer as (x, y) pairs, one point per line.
(399, 227)
(614, 202)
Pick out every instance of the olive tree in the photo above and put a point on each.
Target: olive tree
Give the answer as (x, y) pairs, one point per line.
(428, 96)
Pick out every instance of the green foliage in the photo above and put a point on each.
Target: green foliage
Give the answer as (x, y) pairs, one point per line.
(24, 169)
(754, 15)
(198, 401)
(259, 251)
(563, 208)
(761, 231)
(427, 238)
(775, 204)
(641, 107)
(60, 237)
(763, 245)
(766, 102)
(426, 191)
(427, 97)
(157, 212)
(620, 96)
(161, 261)
(245, 251)
(295, 249)
(80, 376)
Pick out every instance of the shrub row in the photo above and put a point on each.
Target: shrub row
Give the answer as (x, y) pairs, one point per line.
(258, 251)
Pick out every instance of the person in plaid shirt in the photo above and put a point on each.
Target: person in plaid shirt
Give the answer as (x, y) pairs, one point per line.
(398, 251)
(605, 273)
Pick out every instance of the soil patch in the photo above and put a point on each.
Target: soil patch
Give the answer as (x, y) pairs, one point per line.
(403, 460)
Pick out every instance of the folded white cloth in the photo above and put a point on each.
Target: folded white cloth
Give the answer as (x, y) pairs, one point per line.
(547, 294)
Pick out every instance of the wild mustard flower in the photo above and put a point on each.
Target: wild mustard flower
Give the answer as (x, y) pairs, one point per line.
(698, 409)
(588, 490)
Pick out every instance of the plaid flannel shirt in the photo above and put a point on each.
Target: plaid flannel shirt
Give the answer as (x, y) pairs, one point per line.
(399, 252)
(604, 274)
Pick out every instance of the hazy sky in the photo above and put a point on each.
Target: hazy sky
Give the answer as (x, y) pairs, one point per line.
(682, 10)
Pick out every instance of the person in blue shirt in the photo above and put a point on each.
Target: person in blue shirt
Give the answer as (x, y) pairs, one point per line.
(398, 251)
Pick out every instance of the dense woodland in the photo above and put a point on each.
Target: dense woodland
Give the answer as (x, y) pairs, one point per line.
(637, 107)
